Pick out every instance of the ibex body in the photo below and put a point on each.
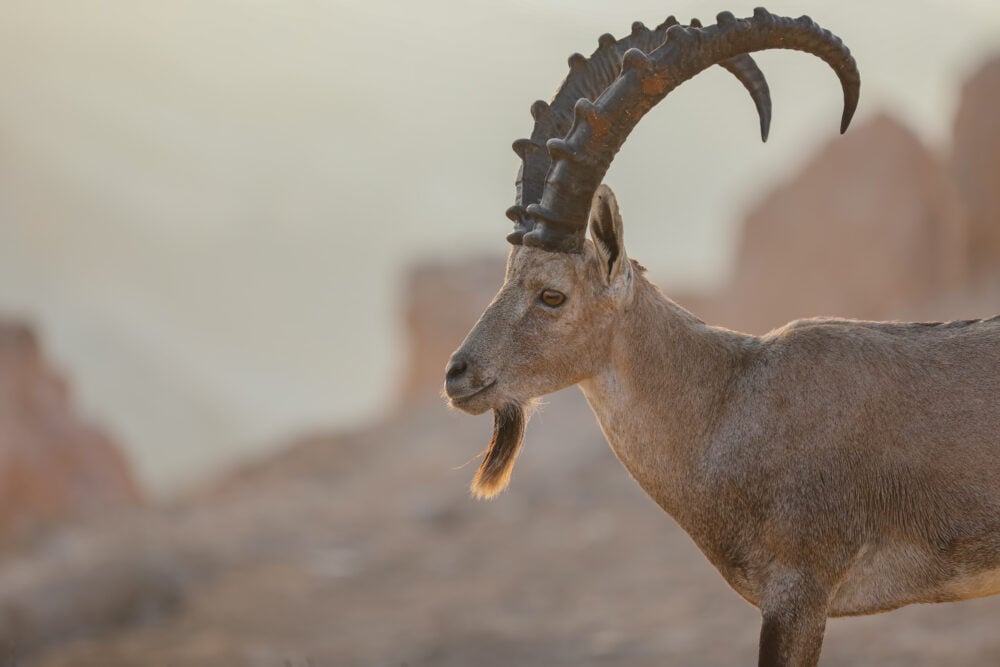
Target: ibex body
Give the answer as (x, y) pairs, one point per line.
(831, 467)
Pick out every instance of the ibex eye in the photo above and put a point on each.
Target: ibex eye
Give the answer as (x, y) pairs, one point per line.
(552, 298)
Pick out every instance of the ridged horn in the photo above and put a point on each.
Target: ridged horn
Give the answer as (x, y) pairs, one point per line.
(601, 125)
(587, 79)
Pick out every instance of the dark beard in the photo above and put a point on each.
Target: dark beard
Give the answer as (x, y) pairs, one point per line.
(508, 431)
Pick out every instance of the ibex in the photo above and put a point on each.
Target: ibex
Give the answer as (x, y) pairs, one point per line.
(830, 467)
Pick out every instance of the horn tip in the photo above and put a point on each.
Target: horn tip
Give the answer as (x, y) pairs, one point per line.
(850, 106)
(765, 122)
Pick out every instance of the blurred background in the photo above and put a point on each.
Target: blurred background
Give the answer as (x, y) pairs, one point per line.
(240, 238)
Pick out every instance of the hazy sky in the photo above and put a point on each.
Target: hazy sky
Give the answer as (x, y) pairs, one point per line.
(208, 205)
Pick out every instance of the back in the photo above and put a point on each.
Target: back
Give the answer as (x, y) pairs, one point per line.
(918, 386)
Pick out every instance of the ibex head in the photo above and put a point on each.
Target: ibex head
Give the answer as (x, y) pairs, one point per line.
(551, 324)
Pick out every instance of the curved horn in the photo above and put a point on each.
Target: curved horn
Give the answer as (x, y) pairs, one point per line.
(744, 68)
(587, 79)
(600, 127)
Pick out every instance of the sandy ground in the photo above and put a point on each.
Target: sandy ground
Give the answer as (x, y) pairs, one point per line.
(366, 549)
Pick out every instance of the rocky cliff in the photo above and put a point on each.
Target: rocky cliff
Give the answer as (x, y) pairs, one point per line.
(53, 464)
(868, 227)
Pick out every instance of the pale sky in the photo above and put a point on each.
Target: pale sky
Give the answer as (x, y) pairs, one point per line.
(207, 205)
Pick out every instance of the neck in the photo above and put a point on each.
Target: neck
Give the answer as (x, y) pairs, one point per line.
(662, 391)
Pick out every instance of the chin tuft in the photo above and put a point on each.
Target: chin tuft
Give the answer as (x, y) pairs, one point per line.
(494, 472)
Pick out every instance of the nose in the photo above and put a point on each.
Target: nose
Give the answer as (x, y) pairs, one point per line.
(460, 379)
(456, 368)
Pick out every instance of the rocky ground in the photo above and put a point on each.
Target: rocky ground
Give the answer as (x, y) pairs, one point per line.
(367, 550)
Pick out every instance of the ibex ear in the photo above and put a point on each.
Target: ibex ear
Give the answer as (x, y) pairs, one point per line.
(606, 232)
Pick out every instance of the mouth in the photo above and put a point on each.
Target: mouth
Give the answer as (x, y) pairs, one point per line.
(460, 401)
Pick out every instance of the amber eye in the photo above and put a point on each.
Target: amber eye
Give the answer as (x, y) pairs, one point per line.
(552, 298)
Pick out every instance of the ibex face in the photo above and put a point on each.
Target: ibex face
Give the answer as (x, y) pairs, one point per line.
(549, 325)
(532, 340)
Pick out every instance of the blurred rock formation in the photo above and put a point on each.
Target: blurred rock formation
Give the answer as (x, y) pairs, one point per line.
(876, 226)
(868, 227)
(441, 302)
(53, 465)
(975, 166)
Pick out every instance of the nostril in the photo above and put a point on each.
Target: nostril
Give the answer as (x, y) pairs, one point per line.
(456, 369)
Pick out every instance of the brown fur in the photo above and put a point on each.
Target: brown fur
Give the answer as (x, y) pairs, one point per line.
(508, 431)
(831, 467)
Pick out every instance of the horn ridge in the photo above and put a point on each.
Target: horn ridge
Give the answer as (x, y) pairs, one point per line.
(595, 137)
(587, 79)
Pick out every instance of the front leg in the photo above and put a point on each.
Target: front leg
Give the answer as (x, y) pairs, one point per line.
(794, 611)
